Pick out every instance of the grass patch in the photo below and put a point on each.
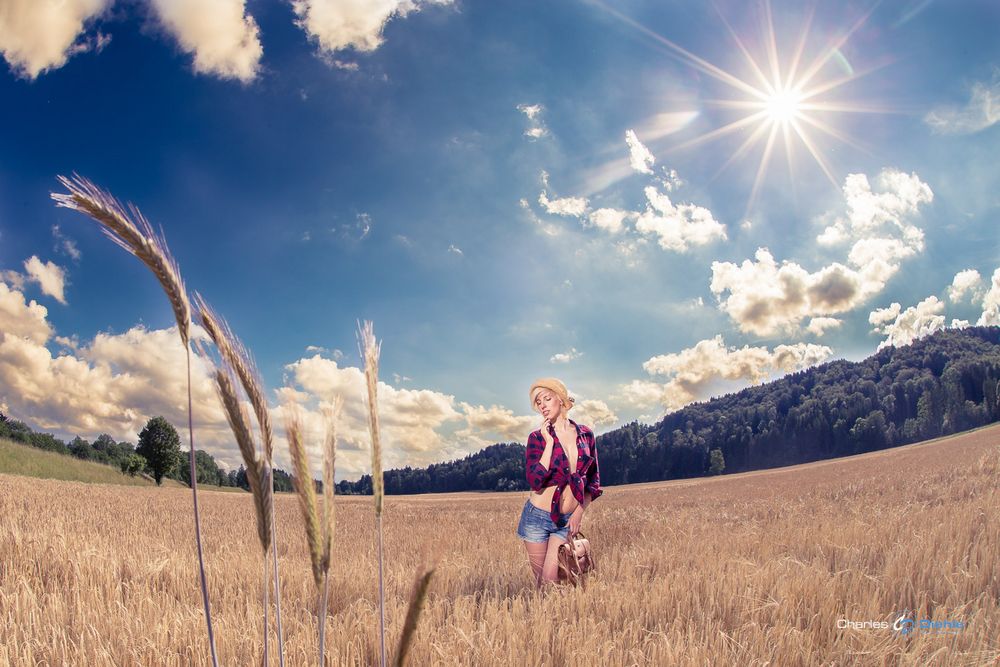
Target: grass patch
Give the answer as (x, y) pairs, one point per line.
(17, 459)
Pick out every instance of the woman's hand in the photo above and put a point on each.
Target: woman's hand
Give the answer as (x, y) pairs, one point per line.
(575, 519)
(545, 432)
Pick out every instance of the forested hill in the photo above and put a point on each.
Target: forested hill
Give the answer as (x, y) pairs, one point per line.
(941, 384)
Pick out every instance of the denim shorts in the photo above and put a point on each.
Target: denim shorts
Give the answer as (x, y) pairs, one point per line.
(536, 524)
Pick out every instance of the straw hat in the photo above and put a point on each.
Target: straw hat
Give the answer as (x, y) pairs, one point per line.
(556, 387)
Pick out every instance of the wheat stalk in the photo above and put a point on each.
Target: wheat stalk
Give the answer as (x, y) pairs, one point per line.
(258, 472)
(131, 231)
(319, 521)
(237, 357)
(370, 350)
(417, 598)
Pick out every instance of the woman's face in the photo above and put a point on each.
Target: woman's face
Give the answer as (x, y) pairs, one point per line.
(548, 404)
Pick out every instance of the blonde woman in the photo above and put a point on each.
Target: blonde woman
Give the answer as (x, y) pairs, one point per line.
(561, 454)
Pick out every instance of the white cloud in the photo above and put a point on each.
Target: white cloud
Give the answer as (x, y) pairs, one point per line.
(610, 220)
(639, 157)
(536, 128)
(991, 303)
(65, 245)
(982, 110)
(678, 227)
(49, 276)
(594, 413)
(568, 206)
(452, 248)
(819, 325)
(496, 422)
(693, 372)
(39, 35)
(22, 319)
(764, 299)
(902, 327)
(223, 38)
(357, 24)
(565, 357)
(546, 227)
(965, 282)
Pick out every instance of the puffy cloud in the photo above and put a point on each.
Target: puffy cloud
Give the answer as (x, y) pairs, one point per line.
(610, 220)
(22, 319)
(678, 227)
(819, 325)
(639, 157)
(982, 110)
(991, 303)
(223, 38)
(358, 24)
(565, 357)
(965, 282)
(902, 327)
(764, 299)
(569, 206)
(50, 277)
(594, 413)
(496, 422)
(39, 35)
(536, 128)
(693, 372)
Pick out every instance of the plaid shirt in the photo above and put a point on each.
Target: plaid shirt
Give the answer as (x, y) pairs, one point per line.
(586, 478)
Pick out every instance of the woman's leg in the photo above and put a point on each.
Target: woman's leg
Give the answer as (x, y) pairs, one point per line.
(550, 569)
(536, 557)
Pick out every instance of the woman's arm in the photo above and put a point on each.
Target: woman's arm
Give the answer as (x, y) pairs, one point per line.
(592, 488)
(538, 454)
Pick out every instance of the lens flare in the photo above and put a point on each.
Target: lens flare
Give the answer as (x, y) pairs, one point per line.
(783, 100)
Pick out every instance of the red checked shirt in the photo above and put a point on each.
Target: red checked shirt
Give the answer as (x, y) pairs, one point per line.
(587, 476)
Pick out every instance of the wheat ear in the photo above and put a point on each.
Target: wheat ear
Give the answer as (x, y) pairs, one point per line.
(236, 355)
(131, 231)
(370, 350)
(319, 521)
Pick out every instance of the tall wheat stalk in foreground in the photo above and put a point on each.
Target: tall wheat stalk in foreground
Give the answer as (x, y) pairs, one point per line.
(235, 355)
(370, 349)
(258, 470)
(131, 231)
(319, 520)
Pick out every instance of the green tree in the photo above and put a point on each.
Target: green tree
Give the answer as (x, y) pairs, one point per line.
(160, 445)
(132, 465)
(718, 462)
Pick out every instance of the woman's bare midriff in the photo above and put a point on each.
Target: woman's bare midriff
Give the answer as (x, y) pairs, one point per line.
(543, 500)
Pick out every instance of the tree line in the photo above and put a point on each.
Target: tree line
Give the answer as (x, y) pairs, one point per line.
(941, 384)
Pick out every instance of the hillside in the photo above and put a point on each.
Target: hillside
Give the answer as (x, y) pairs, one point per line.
(17, 459)
(946, 383)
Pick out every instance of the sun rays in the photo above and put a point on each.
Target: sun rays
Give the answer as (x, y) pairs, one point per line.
(781, 100)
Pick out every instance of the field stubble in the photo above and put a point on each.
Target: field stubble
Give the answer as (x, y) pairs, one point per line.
(751, 569)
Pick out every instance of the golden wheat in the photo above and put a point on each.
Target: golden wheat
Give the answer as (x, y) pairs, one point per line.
(735, 570)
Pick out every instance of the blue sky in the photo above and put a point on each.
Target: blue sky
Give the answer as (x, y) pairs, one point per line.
(508, 190)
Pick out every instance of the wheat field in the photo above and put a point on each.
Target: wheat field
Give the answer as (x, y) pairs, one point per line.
(749, 569)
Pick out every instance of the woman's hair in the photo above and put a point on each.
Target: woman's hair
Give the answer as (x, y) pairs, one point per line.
(556, 387)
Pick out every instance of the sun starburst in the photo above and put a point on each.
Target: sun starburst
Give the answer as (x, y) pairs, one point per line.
(786, 103)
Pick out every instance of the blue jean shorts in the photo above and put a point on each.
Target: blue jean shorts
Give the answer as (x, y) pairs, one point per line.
(536, 524)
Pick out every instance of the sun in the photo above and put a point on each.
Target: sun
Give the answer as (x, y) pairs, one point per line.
(783, 106)
(783, 99)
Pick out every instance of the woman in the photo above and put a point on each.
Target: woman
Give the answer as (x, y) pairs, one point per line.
(552, 463)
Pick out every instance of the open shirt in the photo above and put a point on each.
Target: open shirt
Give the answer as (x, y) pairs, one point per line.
(587, 476)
